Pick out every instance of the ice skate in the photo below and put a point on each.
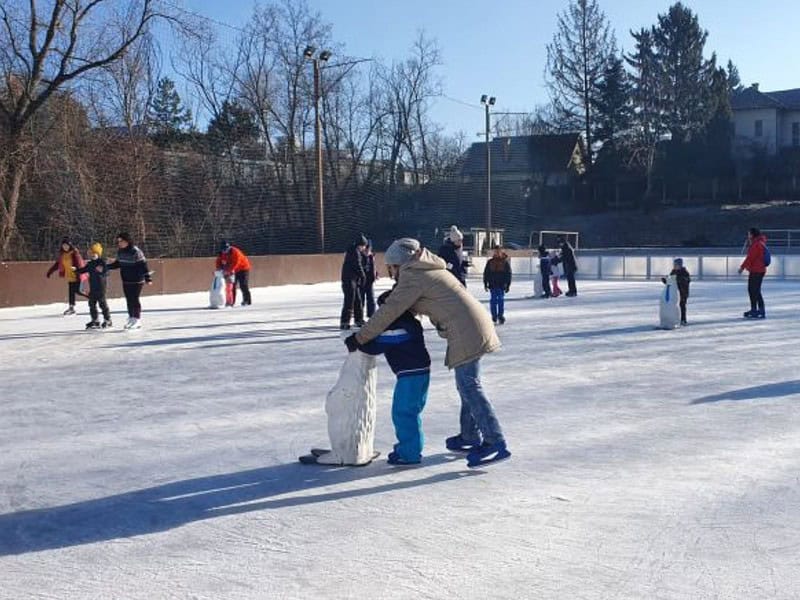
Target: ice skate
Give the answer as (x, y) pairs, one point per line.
(70, 311)
(93, 325)
(488, 453)
(457, 443)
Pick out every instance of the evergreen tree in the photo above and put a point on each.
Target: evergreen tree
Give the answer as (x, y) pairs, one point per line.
(647, 95)
(233, 126)
(168, 117)
(613, 104)
(716, 158)
(576, 60)
(686, 75)
(732, 76)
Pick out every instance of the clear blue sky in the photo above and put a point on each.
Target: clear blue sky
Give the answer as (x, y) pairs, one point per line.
(499, 47)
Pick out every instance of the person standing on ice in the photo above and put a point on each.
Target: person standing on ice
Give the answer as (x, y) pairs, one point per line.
(403, 344)
(545, 271)
(353, 279)
(569, 264)
(453, 255)
(497, 281)
(754, 264)
(424, 286)
(235, 264)
(68, 257)
(370, 277)
(135, 274)
(97, 271)
(683, 279)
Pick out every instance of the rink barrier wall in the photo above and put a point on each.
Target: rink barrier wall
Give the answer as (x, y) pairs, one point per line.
(646, 267)
(25, 284)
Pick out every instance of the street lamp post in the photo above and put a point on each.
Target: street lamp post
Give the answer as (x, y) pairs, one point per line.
(488, 101)
(323, 56)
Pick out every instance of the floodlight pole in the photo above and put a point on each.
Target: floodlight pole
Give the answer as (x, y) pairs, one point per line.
(318, 151)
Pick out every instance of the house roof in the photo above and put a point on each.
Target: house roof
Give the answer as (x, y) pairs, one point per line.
(522, 154)
(751, 98)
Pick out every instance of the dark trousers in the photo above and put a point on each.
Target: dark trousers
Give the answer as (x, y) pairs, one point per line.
(546, 286)
(754, 282)
(682, 304)
(73, 289)
(570, 275)
(94, 300)
(368, 298)
(497, 303)
(243, 281)
(132, 292)
(352, 306)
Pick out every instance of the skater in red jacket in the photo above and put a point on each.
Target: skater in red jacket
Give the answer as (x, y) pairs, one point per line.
(236, 266)
(755, 264)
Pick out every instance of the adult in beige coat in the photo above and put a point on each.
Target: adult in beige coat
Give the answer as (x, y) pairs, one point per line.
(424, 286)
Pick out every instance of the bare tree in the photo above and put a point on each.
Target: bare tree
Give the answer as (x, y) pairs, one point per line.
(46, 49)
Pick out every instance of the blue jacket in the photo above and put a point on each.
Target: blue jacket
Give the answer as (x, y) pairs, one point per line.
(404, 346)
(544, 266)
(97, 279)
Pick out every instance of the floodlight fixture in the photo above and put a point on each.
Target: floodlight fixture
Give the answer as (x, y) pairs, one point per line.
(492, 100)
(484, 97)
(325, 55)
(309, 51)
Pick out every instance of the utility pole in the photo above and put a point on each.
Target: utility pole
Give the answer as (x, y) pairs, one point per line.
(323, 56)
(488, 101)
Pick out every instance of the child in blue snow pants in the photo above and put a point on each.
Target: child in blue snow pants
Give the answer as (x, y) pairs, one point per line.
(403, 344)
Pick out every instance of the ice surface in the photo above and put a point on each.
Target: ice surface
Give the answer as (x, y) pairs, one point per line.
(163, 463)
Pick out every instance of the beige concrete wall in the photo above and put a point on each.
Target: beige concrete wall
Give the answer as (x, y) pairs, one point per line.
(24, 283)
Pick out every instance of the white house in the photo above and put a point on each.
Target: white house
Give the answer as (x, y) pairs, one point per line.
(767, 119)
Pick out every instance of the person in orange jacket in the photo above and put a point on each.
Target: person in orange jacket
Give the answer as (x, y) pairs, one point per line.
(68, 257)
(235, 265)
(755, 264)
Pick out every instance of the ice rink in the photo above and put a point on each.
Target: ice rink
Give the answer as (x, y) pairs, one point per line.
(162, 463)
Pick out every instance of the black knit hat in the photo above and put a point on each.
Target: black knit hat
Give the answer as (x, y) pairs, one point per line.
(361, 240)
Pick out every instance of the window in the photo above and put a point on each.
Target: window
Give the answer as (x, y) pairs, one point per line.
(759, 128)
(796, 135)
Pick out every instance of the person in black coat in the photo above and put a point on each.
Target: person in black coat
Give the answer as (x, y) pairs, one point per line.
(497, 281)
(97, 270)
(683, 278)
(353, 280)
(452, 254)
(135, 274)
(569, 264)
(371, 275)
(545, 270)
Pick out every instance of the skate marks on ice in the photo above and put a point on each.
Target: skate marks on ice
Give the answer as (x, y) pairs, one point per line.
(758, 392)
(172, 505)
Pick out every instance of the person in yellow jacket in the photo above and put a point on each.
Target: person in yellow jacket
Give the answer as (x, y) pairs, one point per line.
(424, 286)
(68, 257)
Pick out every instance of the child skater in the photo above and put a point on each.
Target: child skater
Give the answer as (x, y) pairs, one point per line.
(545, 271)
(555, 272)
(97, 271)
(497, 281)
(404, 346)
(683, 279)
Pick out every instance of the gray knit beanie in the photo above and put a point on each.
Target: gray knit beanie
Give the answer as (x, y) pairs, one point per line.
(401, 251)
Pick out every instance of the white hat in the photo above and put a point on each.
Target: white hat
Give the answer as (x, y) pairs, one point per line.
(455, 235)
(401, 251)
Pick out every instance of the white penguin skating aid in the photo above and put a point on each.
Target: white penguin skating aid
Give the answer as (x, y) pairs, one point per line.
(216, 295)
(669, 313)
(351, 409)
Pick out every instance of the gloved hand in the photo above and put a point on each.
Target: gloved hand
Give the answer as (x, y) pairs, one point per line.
(351, 343)
(486, 287)
(507, 289)
(48, 275)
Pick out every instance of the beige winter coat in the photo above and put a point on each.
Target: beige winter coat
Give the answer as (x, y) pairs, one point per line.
(426, 287)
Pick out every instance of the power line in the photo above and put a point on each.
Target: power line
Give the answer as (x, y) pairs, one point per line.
(461, 102)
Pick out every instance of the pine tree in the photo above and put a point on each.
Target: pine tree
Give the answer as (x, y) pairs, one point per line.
(613, 104)
(649, 125)
(168, 117)
(686, 75)
(576, 60)
(732, 76)
(233, 126)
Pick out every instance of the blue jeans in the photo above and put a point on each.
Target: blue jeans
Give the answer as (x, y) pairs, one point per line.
(497, 302)
(477, 415)
(410, 395)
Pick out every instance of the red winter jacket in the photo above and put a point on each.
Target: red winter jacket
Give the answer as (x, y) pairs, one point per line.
(754, 261)
(233, 261)
(58, 265)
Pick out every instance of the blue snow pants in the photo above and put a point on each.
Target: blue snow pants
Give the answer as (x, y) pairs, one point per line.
(497, 303)
(410, 396)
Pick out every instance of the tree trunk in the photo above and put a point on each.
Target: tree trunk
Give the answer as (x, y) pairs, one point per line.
(9, 199)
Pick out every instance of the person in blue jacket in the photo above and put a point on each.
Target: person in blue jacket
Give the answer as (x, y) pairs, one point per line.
(403, 344)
